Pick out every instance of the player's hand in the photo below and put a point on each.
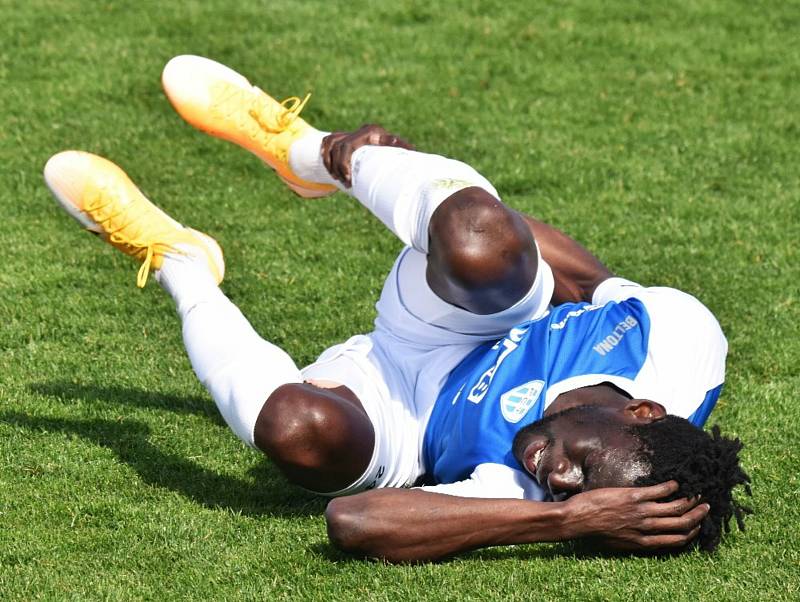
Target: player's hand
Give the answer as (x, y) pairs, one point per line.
(338, 148)
(633, 519)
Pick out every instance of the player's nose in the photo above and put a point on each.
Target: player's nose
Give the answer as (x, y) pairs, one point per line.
(565, 479)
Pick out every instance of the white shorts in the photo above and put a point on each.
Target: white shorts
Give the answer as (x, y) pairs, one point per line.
(397, 370)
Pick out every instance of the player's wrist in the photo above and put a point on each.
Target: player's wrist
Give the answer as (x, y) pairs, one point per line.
(545, 521)
(575, 521)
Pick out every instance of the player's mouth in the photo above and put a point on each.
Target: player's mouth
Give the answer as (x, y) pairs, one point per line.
(535, 453)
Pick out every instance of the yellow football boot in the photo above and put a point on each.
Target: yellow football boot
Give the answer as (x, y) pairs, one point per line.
(217, 100)
(101, 196)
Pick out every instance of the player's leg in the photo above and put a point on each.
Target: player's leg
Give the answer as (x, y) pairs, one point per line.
(321, 439)
(482, 257)
(479, 251)
(473, 238)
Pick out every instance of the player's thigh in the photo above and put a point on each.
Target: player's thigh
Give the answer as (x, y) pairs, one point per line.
(410, 310)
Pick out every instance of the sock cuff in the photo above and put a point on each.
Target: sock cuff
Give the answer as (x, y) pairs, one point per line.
(305, 159)
(188, 281)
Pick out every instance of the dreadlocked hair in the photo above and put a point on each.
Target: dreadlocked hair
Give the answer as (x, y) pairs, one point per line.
(704, 464)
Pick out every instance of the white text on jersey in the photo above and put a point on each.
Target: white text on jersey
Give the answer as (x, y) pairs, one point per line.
(510, 343)
(607, 344)
(573, 314)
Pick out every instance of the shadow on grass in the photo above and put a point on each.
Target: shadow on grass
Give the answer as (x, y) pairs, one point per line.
(564, 550)
(578, 550)
(193, 404)
(267, 494)
(532, 552)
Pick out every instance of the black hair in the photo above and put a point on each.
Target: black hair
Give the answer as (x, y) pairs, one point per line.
(704, 464)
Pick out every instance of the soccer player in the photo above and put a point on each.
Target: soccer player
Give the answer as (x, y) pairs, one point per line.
(521, 422)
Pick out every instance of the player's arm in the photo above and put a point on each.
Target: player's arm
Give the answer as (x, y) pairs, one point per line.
(401, 525)
(577, 272)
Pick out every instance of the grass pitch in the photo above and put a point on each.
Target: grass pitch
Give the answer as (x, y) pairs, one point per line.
(663, 135)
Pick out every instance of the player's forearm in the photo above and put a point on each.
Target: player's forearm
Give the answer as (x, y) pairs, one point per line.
(407, 525)
(576, 271)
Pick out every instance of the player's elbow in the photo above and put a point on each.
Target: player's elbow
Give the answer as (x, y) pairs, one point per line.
(355, 527)
(366, 524)
(345, 524)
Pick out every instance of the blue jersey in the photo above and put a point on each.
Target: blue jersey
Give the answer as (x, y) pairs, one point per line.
(501, 387)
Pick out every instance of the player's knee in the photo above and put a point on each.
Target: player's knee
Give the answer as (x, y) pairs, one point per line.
(478, 240)
(482, 253)
(317, 438)
(306, 430)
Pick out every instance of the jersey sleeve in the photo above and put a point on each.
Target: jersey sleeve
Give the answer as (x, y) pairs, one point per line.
(491, 480)
(685, 367)
(615, 289)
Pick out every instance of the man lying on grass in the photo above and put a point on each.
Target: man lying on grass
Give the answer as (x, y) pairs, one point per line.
(478, 413)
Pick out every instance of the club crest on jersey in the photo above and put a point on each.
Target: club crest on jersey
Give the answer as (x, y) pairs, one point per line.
(518, 401)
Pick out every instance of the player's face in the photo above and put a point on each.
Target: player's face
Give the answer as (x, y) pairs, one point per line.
(580, 449)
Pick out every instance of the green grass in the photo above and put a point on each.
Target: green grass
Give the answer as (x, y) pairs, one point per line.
(663, 135)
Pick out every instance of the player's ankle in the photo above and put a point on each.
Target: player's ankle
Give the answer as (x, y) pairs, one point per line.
(187, 278)
(305, 158)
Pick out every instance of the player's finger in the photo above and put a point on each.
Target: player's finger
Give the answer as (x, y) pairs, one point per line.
(325, 152)
(668, 540)
(344, 158)
(388, 139)
(655, 492)
(340, 155)
(330, 142)
(375, 134)
(672, 524)
(673, 508)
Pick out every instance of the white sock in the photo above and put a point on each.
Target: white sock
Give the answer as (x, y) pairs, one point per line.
(401, 188)
(305, 159)
(238, 368)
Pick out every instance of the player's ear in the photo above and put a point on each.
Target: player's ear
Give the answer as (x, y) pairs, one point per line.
(644, 411)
